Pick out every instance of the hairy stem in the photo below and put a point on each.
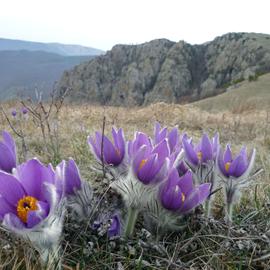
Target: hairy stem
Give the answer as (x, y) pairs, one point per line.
(131, 221)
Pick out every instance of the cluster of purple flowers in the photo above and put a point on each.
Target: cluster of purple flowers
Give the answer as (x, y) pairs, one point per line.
(169, 169)
(165, 176)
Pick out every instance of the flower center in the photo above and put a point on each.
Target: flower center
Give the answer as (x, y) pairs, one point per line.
(26, 204)
(227, 166)
(142, 163)
(199, 155)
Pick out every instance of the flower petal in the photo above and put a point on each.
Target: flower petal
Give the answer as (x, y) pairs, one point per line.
(10, 188)
(206, 149)
(196, 197)
(32, 174)
(5, 208)
(237, 167)
(7, 158)
(173, 139)
(189, 152)
(13, 223)
(35, 217)
(72, 177)
(228, 154)
(186, 183)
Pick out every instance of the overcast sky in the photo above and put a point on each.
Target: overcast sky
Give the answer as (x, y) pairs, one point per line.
(104, 23)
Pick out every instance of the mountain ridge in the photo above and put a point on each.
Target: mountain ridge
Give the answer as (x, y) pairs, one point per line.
(167, 71)
(53, 47)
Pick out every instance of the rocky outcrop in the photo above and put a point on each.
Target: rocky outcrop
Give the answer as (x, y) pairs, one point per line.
(162, 70)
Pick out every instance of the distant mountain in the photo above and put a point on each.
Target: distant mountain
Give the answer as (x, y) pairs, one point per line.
(58, 48)
(162, 70)
(22, 72)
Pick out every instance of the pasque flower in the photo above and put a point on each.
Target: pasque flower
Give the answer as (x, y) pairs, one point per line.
(201, 159)
(30, 205)
(173, 137)
(78, 192)
(25, 200)
(203, 152)
(180, 195)
(8, 155)
(149, 161)
(235, 175)
(113, 153)
(236, 167)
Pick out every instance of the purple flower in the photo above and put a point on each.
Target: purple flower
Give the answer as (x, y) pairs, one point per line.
(235, 167)
(149, 162)
(115, 227)
(159, 134)
(203, 152)
(13, 112)
(178, 193)
(113, 153)
(68, 177)
(172, 136)
(139, 140)
(26, 197)
(24, 110)
(8, 155)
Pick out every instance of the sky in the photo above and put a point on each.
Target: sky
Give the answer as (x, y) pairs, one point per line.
(103, 23)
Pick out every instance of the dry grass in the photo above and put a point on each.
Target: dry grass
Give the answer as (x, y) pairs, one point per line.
(206, 247)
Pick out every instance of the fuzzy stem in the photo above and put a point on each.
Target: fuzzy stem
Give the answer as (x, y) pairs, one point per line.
(207, 207)
(131, 221)
(229, 213)
(50, 259)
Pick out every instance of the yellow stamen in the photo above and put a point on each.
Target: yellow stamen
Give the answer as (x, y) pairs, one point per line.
(227, 166)
(183, 197)
(199, 155)
(142, 163)
(26, 204)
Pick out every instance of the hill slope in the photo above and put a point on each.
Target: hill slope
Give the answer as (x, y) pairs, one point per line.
(241, 97)
(162, 70)
(58, 48)
(23, 71)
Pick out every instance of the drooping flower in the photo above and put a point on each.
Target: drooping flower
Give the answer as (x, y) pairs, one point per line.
(30, 205)
(113, 153)
(8, 157)
(179, 194)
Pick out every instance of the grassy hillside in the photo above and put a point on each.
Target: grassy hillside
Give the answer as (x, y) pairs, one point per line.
(240, 97)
